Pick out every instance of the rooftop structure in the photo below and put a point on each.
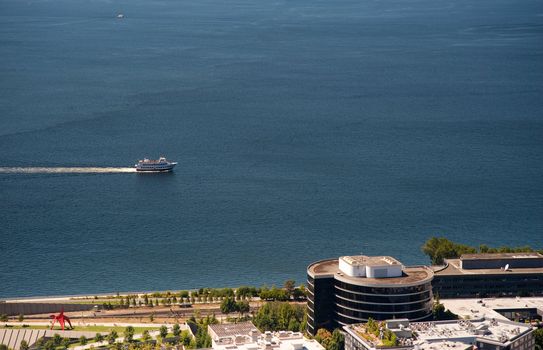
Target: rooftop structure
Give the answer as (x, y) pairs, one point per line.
(462, 334)
(370, 266)
(245, 336)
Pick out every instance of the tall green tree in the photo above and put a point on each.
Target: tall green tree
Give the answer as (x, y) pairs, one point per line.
(83, 340)
(65, 343)
(185, 338)
(538, 337)
(243, 307)
(290, 285)
(145, 336)
(23, 345)
(129, 334)
(163, 330)
(176, 330)
(228, 305)
(112, 336)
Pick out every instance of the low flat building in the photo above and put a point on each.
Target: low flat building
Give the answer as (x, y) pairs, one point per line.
(245, 336)
(454, 335)
(490, 275)
(521, 309)
(352, 289)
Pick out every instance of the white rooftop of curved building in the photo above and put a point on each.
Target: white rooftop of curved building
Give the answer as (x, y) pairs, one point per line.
(359, 260)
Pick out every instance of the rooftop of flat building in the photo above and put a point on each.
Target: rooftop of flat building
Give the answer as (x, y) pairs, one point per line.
(282, 340)
(233, 329)
(424, 335)
(489, 256)
(412, 275)
(363, 260)
(452, 268)
(490, 307)
(495, 330)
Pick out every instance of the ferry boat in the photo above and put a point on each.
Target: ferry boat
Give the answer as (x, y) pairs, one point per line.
(150, 165)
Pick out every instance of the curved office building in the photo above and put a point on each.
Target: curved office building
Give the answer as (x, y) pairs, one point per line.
(352, 289)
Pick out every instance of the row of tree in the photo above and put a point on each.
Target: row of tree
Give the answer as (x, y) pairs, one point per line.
(288, 292)
(440, 248)
(52, 343)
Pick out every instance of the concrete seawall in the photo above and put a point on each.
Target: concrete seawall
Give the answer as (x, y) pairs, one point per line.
(13, 309)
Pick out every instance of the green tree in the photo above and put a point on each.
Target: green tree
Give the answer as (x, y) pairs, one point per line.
(185, 338)
(538, 337)
(323, 336)
(243, 307)
(98, 338)
(3, 347)
(176, 330)
(50, 345)
(299, 293)
(337, 342)
(439, 312)
(440, 248)
(40, 342)
(4, 318)
(274, 316)
(57, 339)
(112, 336)
(65, 343)
(228, 305)
(83, 340)
(163, 330)
(23, 345)
(290, 285)
(129, 334)
(21, 318)
(145, 336)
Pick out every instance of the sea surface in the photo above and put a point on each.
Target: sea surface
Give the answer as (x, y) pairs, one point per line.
(304, 130)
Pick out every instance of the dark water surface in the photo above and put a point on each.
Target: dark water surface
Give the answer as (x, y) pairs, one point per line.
(304, 129)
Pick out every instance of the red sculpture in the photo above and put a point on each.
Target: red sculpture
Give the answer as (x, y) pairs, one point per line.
(61, 319)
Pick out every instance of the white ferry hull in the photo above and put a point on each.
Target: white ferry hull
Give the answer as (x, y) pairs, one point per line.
(150, 170)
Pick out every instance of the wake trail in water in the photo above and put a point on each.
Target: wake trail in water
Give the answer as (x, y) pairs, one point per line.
(65, 170)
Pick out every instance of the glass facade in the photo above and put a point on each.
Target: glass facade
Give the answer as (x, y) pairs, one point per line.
(481, 285)
(320, 304)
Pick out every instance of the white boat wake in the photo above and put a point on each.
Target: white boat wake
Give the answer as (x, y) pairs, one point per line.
(64, 170)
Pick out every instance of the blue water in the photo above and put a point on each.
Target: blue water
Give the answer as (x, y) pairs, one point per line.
(304, 129)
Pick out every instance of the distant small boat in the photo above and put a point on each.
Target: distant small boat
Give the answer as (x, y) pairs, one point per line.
(151, 165)
(120, 16)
